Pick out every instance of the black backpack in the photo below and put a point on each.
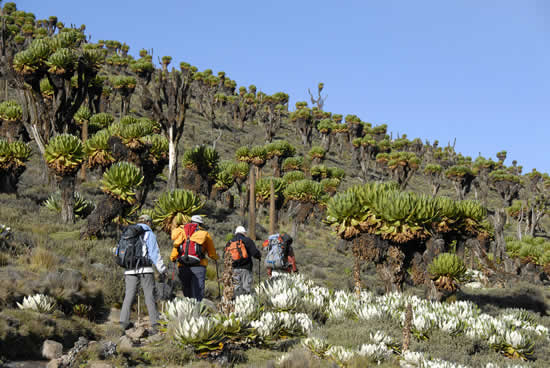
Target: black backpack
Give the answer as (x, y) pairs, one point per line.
(129, 250)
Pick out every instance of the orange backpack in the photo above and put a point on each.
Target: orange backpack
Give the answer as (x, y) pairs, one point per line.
(237, 250)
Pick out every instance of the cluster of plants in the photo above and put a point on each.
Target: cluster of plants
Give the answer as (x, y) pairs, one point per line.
(384, 210)
(190, 323)
(529, 249)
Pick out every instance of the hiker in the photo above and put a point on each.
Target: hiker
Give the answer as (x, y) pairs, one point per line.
(242, 249)
(139, 262)
(280, 255)
(191, 244)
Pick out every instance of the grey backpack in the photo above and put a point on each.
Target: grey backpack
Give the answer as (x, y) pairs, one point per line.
(275, 258)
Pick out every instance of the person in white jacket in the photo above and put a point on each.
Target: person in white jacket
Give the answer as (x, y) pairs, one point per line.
(143, 275)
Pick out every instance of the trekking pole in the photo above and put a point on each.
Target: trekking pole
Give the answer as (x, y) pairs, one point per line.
(259, 279)
(218, 278)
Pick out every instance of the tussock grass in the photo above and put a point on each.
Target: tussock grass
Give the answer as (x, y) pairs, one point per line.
(43, 260)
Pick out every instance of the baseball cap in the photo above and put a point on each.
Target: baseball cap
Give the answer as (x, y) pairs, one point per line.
(240, 230)
(197, 219)
(145, 218)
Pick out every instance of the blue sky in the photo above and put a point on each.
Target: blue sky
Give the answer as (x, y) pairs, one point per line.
(477, 71)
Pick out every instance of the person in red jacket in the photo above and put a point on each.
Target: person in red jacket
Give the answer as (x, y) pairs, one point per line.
(287, 263)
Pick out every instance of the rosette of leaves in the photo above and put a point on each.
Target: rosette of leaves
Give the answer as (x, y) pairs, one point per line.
(33, 59)
(319, 172)
(39, 303)
(64, 154)
(93, 58)
(450, 214)
(143, 67)
(279, 149)
(447, 270)
(158, 150)
(177, 205)
(124, 84)
(293, 163)
(433, 169)
(325, 126)
(405, 216)
(13, 157)
(304, 191)
(202, 159)
(224, 180)
(83, 114)
(292, 176)
(504, 176)
(98, 150)
(330, 185)
(82, 206)
(472, 213)
(336, 173)
(10, 111)
(62, 62)
(400, 144)
(258, 155)
(101, 120)
(46, 88)
(345, 213)
(384, 146)
(239, 171)
(457, 172)
(243, 154)
(132, 135)
(263, 188)
(121, 181)
(317, 153)
(380, 129)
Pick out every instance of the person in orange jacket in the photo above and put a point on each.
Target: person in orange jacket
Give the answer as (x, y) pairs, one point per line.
(191, 245)
(287, 254)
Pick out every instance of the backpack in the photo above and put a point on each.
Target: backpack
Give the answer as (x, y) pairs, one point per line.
(276, 253)
(237, 251)
(189, 252)
(129, 250)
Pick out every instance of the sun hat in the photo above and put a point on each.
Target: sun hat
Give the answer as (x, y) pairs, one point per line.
(240, 230)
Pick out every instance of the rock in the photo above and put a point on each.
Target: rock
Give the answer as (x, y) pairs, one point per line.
(52, 349)
(108, 349)
(124, 344)
(97, 364)
(54, 363)
(135, 333)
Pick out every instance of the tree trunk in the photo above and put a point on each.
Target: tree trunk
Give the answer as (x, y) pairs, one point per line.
(272, 211)
(106, 210)
(66, 184)
(84, 139)
(172, 159)
(499, 220)
(357, 275)
(252, 206)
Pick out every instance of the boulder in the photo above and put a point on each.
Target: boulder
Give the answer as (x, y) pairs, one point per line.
(135, 333)
(52, 349)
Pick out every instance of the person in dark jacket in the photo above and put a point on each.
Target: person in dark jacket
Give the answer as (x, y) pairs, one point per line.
(242, 268)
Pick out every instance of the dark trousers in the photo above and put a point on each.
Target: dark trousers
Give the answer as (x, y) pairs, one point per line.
(192, 279)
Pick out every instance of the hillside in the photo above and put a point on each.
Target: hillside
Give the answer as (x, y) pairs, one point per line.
(371, 214)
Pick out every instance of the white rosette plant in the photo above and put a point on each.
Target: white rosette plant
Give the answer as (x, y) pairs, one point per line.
(39, 303)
